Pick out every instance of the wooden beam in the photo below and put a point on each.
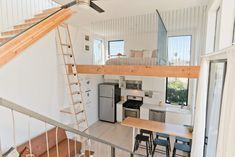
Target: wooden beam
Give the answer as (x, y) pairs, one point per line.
(14, 47)
(139, 70)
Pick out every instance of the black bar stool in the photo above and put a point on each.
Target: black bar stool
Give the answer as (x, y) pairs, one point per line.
(150, 134)
(182, 144)
(162, 140)
(141, 138)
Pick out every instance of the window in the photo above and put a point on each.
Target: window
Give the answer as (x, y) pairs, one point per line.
(115, 47)
(217, 29)
(97, 52)
(179, 53)
(233, 41)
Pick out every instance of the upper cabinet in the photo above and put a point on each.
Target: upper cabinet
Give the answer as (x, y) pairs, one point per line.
(111, 77)
(154, 84)
(135, 78)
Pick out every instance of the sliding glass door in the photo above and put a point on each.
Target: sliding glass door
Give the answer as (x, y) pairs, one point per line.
(214, 99)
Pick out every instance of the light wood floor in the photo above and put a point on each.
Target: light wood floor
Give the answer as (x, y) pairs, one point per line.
(116, 134)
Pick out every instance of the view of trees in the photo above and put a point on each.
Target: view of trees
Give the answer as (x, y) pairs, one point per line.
(176, 92)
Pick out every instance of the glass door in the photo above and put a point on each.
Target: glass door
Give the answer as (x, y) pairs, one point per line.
(214, 100)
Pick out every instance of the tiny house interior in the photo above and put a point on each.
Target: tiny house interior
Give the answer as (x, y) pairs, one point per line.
(97, 78)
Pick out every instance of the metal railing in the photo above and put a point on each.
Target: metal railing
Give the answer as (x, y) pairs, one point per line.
(14, 108)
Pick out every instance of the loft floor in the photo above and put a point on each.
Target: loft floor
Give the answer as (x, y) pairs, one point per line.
(119, 135)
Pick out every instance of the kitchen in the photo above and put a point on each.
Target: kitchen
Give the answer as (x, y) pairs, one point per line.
(138, 102)
(144, 98)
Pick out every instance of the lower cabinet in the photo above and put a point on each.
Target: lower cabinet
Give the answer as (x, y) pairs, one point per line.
(144, 113)
(119, 112)
(157, 115)
(167, 117)
(178, 118)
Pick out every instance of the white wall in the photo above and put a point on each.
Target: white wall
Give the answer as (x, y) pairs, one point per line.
(227, 23)
(226, 26)
(139, 32)
(33, 79)
(140, 41)
(15, 11)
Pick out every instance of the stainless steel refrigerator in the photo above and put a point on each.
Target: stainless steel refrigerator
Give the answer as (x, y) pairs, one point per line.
(109, 96)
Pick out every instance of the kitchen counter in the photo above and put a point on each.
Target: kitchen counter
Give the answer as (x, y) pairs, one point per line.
(166, 108)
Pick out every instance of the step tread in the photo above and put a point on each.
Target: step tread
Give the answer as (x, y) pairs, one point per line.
(51, 10)
(24, 25)
(42, 14)
(35, 19)
(4, 39)
(12, 32)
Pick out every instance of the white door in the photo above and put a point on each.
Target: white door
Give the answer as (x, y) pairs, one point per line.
(215, 94)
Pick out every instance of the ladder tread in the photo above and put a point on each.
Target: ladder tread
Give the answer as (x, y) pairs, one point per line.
(76, 126)
(74, 83)
(68, 55)
(74, 93)
(80, 121)
(76, 109)
(65, 44)
(77, 102)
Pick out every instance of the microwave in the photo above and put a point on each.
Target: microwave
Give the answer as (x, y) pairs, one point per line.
(136, 85)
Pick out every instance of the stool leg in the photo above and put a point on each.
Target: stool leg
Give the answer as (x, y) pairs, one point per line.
(167, 151)
(136, 146)
(174, 152)
(147, 148)
(154, 148)
(151, 141)
(168, 139)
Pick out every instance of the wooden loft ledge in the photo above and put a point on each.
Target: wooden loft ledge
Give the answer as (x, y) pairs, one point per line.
(139, 70)
(15, 46)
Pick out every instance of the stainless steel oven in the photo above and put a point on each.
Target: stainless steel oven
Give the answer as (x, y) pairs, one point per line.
(131, 108)
(128, 112)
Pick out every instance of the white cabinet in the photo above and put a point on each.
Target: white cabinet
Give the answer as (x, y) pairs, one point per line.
(144, 113)
(119, 111)
(154, 84)
(111, 77)
(135, 78)
(178, 118)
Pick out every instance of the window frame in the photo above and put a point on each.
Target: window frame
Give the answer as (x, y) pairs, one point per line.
(102, 50)
(191, 45)
(217, 26)
(178, 103)
(113, 41)
(191, 39)
(233, 37)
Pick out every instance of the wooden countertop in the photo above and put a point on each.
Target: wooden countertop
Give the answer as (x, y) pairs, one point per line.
(171, 129)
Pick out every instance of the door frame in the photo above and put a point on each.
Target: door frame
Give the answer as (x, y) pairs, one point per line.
(209, 77)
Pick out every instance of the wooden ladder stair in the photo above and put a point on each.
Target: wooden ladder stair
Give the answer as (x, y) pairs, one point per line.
(21, 36)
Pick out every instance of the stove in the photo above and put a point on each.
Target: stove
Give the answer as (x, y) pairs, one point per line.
(132, 106)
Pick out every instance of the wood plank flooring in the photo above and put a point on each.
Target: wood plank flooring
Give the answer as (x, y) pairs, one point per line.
(119, 135)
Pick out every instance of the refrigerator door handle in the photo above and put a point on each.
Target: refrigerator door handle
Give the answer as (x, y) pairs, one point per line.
(112, 94)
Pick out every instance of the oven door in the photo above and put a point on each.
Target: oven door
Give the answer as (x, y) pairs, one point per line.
(128, 112)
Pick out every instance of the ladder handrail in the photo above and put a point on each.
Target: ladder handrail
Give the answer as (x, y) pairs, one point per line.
(15, 107)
